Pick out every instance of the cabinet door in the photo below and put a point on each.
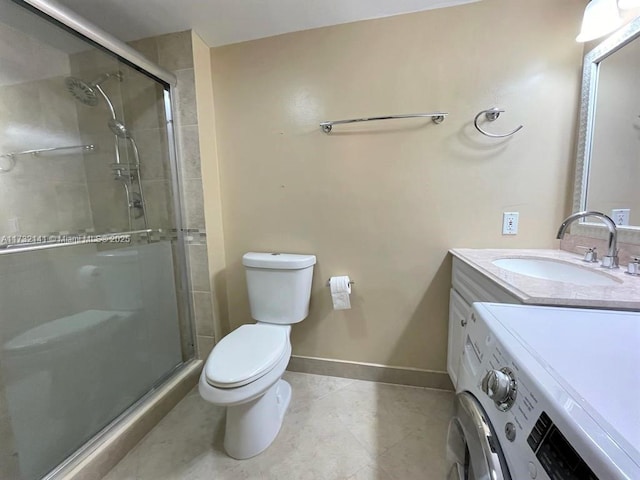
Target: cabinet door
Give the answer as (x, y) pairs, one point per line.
(458, 312)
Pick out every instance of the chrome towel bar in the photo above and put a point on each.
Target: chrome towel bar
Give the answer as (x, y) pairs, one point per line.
(491, 115)
(436, 117)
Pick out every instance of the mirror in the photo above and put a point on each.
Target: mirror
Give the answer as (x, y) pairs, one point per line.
(608, 162)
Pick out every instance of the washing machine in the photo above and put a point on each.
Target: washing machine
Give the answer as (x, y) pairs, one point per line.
(547, 393)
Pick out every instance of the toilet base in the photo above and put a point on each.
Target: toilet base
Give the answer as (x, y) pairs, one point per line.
(251, 427)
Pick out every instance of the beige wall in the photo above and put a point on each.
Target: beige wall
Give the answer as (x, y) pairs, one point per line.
(384, 202)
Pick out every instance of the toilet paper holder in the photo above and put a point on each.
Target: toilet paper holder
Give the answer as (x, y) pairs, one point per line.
(328, 284)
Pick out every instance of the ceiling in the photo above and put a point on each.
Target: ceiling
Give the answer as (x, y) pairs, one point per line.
(221, 22)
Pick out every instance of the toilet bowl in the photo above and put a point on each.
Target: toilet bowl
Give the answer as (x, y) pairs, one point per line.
(244, 370)
(255, 395)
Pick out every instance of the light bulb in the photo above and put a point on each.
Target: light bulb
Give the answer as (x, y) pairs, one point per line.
(600, 18)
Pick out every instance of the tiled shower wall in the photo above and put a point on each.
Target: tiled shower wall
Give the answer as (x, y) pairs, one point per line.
(44, 193)
(174, 52)
(138, 103)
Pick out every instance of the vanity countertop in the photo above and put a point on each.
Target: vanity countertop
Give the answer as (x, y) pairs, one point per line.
(536, 291)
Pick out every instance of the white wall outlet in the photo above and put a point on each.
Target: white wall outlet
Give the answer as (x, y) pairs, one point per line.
(621, 215)
(510, 223)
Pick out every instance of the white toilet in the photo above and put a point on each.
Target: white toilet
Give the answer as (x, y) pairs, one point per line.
(244, 370)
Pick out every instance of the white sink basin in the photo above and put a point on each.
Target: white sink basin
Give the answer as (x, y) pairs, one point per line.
(556, 271)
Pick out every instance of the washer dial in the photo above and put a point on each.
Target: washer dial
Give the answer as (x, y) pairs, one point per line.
(501, 387)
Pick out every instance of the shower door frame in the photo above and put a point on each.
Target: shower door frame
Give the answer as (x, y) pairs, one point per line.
(95, 36)
(76, 24)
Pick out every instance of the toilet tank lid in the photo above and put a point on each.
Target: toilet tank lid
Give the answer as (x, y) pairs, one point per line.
(282, 261)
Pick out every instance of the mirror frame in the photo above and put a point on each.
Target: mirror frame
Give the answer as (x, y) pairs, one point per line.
(591, 65)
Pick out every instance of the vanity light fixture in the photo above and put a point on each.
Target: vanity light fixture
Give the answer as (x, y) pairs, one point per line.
(628, 4)
(600, 17)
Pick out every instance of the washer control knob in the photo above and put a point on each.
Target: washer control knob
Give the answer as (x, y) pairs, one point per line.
(497, 385)
(501, 387)
(510, 431)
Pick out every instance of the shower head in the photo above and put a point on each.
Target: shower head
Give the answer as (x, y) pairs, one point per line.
(82, 91)
(88, 93)
(118, 128)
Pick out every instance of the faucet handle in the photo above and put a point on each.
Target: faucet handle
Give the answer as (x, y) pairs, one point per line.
(590, 255)
(634, 266)
(611, 261)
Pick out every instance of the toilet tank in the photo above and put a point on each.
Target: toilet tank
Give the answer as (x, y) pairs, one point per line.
(279, 286)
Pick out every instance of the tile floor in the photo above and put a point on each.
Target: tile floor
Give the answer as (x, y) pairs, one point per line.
(336, 428)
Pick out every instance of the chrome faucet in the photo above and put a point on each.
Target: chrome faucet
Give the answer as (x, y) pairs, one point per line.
(611, 259)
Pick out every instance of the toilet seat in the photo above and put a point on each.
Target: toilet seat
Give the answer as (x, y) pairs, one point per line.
(246, 354)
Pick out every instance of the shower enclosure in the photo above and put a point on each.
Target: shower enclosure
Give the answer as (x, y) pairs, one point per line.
(93, 284)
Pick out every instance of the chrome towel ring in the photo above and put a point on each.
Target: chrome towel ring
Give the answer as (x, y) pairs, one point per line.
(491, 115)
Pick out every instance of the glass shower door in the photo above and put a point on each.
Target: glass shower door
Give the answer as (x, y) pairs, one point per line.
(91, 302)
(88, 332)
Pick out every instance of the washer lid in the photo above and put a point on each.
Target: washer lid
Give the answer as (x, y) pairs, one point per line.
(283, 261)
(245, 355)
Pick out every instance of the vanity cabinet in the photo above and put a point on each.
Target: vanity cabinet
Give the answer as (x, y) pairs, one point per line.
(468, 286)
(458, 313)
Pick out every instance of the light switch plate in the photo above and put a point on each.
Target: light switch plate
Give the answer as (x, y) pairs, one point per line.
(510, 223)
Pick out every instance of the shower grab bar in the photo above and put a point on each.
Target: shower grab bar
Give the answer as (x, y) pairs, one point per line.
(34, 153)
(118, 237)
(436, 117)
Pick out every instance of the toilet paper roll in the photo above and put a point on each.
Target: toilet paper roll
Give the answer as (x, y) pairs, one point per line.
(340, 291)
